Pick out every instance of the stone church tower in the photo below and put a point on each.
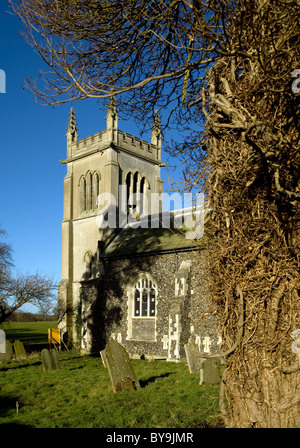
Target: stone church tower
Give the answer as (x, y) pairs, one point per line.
(99, 165)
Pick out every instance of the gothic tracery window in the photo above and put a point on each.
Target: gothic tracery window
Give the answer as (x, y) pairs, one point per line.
(142, 309)
(136, 193)
(96, 188)
(144, 298)
(89, 189)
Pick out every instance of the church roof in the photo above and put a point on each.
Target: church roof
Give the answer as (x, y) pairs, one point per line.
(137, 241)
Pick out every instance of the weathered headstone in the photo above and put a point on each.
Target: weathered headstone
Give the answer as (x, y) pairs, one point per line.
(20, 350)
(2, 341)
(54, 357)
(50, 360)
(47, 360)
(121, 372)
(193, 357)
(102, 354)
(210, 371)
(8, 351)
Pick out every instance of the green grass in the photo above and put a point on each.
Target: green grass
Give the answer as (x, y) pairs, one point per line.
(79, 395)
(28, 332)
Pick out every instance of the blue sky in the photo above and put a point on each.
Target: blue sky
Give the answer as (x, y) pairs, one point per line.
(32, 141)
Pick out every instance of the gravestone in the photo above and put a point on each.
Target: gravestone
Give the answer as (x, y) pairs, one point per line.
(121, 372)
(50, 360)
(47, 360)
(8, 351)
(193, 357)
(54, 357)
(102, 354)
(2, 341)
(210, 371)
(20, 350)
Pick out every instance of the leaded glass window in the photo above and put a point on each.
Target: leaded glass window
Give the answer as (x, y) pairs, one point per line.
(145, 293)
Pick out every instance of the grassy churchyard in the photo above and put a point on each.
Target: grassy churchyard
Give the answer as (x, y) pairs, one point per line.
(79, 394)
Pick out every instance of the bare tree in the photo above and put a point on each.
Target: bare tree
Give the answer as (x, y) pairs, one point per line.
(16, 291)
(225, 66)
(151, 51)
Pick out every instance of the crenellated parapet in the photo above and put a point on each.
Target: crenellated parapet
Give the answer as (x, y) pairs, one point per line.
(112, 136)
(123, 141)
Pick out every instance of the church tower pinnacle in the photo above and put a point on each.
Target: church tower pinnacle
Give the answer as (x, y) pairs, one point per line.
(112, 118)
(156, 131)
(71, 134)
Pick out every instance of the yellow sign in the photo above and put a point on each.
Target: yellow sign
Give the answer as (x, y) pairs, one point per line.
(53, 336)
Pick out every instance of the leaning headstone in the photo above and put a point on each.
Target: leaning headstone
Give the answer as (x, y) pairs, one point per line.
(102, 354)
(210, 371)
(193, 357)
(8, 351)
(121, 372)
(50, 360)
(20, 350)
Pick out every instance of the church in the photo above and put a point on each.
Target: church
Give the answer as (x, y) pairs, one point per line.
(129, 271)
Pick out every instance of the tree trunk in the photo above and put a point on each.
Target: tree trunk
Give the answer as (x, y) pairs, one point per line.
(259, 392)
(254, 194)
(261, 380)
(253, 252)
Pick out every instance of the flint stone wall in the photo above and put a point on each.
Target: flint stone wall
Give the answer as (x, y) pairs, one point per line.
(107, 303)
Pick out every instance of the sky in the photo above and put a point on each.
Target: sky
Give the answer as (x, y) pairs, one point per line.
(32, 141)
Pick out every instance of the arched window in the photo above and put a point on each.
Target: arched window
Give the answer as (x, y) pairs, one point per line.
(96, 188)
(143, 205)
(129, 189)
(142, 306)
(88, 262)
(144, 298)
(136, 193)
(90, 265)
(82, 194)
(89, 189)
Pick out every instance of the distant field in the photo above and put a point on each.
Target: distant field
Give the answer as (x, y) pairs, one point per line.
(28, 332)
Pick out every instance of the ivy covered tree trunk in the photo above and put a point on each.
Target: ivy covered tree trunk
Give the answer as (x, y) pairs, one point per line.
(254, 192)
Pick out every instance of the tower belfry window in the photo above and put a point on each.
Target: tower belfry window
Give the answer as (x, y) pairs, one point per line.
(96, 189)
(143, 192)
(89, 189)
(136, 191)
